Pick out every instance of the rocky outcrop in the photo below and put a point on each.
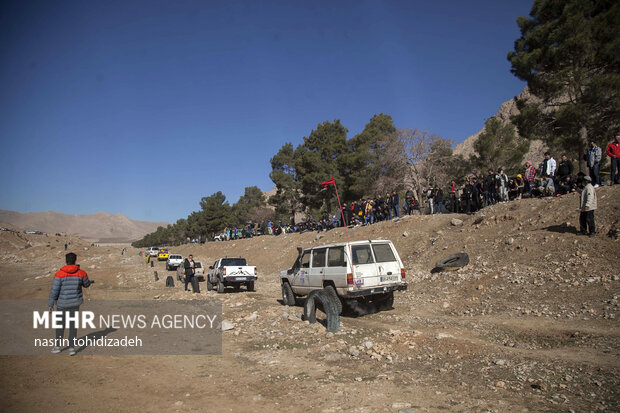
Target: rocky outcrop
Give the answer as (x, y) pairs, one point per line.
(505, 112)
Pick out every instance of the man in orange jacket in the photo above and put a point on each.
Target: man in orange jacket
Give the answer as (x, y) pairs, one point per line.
(613, 151)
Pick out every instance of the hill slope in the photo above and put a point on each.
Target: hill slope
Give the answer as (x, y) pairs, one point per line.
(100, 227)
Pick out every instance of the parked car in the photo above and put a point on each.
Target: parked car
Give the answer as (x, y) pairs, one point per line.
(233, 272)
(174, 260)
(153, 251)
(360, 271)
(162, 255)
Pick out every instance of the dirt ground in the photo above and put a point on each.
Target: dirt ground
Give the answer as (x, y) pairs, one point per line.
(531, 324)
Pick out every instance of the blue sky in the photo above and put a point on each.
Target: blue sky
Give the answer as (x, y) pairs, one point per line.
(144, 107)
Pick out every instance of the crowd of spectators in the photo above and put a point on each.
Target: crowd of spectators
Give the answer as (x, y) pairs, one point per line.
(549, 179)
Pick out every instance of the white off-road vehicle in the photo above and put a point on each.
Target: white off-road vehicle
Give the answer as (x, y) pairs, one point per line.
(360, 272)
(233, 272)
(173, 262)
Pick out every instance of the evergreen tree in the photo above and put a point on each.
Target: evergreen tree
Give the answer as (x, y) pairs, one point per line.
(497, 147)
(569, 54)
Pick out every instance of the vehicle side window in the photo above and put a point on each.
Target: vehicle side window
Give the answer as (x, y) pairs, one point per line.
(361, 254)
(335, 257)
(305, 260)
(318, 258)
(383, 253)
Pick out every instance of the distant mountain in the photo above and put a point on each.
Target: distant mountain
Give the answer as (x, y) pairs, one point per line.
(98, 227)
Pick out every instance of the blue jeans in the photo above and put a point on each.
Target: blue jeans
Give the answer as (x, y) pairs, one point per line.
(395, 207)
(595, 174)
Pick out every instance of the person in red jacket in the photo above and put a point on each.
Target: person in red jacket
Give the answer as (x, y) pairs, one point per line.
(613, 151)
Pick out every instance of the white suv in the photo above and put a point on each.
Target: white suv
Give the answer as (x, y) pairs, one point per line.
(367, 271)
(153, 251)
(174, 260)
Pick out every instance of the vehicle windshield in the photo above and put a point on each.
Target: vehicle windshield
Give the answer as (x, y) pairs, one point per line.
(233, 262)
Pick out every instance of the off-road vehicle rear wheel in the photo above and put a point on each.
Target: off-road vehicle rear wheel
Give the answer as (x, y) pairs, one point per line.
(220, 287)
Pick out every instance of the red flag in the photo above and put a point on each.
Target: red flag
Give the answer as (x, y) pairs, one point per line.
(327, 183)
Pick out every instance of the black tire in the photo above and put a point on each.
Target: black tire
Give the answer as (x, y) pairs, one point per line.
(385, 301)
(453, 262)
(250, 285)
(167, 267)
(237, 286)
(156, 275)
(329, 308)
(169, 281)
(331, 290)
(152, 264)
(195, 285)
(288, 297)
(209, 285)
(220, 287)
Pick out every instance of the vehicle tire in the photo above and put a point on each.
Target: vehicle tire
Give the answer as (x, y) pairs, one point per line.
(288, 297)
(156, 276)
(167, 267)
(250, 285)
(152, 264)
(331, 290)
(453, 262)
(209, 285)
(385, 301)
(195, 285)
(329, 308)
(220, 287)
(169, 281)
(237, 286)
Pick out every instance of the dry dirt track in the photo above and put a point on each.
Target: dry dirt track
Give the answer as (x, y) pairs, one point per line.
(530, 325)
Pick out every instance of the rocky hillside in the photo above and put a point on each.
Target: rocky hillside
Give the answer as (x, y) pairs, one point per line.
(505, 112)
(98, 227)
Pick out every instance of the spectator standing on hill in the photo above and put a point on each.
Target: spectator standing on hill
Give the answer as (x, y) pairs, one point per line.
(547, 167)
(503, 185)
(66, 294)
(189, 266)
(564, 169)
(388, 206)
(593, 160)
(395, 203)
(438, 200)
(476, 194)
(588, 206)
(429, 199)
(466, 196)
(490, 188)
(453, 197)
(613, 151)
(528, 179)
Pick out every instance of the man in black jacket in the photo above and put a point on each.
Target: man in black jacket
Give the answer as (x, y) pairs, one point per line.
(189, 266)
(565, 168)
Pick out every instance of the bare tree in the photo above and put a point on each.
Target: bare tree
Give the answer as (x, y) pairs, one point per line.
(424, 159)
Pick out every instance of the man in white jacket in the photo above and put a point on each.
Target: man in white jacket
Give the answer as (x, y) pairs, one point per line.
(548, 165)
(588, 206)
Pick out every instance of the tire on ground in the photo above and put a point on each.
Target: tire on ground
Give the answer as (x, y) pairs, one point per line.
(329, 308)
(195, 285)
(220, 287)
(331, 290)
(169, 281)
(288, 297)
(156, 276)
(453, 262)
(250, 285)
(209, 285)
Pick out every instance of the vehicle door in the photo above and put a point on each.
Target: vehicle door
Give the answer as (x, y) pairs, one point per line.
(336, 269)
(302, 275)
(388, 267)
(317, 267)
(364, 267)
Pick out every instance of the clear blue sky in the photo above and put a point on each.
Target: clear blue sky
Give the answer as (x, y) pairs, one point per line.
(144, 107)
